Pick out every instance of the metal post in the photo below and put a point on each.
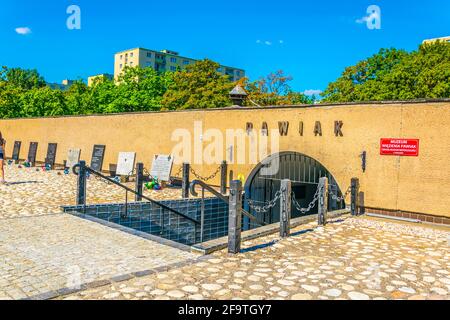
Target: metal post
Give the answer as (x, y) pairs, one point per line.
(202, 215)
(139, 181)
(354, 196)
(223, 177)
(285, 208)
(235, 217)
(185, 183)
(81, 184)
(323, 201)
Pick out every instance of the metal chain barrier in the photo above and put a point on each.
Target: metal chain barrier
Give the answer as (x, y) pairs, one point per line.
(178, 174)
(268, 204)
(212, 176)
(342, 198)
(311, 204)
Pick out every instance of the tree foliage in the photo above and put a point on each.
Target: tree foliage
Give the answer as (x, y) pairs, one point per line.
(272, 90)
(390, 74)
(396, 75)
(200, 86)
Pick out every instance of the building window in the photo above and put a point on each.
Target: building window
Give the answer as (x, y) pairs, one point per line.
(186, 62)
(173, 60)
(131, 55)
(149, 54)
(121, 66)
(172, 68)
(148, 64)
(121, 56)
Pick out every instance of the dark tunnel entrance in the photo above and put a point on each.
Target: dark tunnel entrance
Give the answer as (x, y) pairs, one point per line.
(304, 172)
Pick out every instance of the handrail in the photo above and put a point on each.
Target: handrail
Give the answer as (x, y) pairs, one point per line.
(206, 186)
(134, 192)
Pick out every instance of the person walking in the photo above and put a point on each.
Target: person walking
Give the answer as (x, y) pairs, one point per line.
(2, 158)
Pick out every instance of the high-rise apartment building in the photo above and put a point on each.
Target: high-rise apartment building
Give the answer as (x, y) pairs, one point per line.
(164, 60)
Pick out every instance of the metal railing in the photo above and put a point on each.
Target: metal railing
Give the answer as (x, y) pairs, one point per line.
(222, 197)
(82, 171)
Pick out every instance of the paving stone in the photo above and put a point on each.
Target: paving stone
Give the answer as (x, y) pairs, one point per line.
(367, 258)
(301, 296)
(354, 295)
(333, 292)
(211, 286)
(191, 289)
(310, 288)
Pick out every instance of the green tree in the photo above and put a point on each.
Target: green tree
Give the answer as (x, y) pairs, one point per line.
(42, 102)
(77, 99)
(200, 86)
(395, 74)
(140, 89)
(21, 78)
(272, 90)
(10, 106)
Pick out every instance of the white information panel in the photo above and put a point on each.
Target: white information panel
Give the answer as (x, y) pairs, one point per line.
(73, 157)
(161, 167)
(125, 163)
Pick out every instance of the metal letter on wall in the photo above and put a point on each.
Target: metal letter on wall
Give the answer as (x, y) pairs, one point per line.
(265, 129)
(283, 126)
(338, 128)
(318, 129)
(249, 127)
(300, 128)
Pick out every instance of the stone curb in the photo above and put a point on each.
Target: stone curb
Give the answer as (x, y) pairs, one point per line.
(222, 243)
(116, 279)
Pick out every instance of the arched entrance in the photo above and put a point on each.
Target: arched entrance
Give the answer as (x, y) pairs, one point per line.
(304, 172)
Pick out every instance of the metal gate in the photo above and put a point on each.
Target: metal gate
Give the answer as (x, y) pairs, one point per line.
(303, 171)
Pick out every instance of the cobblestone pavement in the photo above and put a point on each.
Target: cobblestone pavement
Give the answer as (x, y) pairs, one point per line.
(34, 193)
(47, 253)
(351, 258)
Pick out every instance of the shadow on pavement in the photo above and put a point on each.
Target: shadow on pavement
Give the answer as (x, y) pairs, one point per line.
(21, 182)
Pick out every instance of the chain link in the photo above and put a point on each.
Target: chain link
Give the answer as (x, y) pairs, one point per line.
(212, 176)
(311, 204)
(342, 198)
(268, 204)
(178, 174)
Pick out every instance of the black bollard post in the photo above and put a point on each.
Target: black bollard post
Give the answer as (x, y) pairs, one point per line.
(323, 201)
(139, 181)
(223, 177)
(285, 208)
(235, 217)
(185, 182)
(354, 196)
(81, 184)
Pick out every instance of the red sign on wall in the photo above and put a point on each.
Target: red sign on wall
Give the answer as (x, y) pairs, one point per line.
(399, 147)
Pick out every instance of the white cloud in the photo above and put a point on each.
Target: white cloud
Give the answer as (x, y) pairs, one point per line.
(312, 92)
(23, 30)
(269, 42)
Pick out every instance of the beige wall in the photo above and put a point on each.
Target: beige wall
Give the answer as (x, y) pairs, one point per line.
(417, 184)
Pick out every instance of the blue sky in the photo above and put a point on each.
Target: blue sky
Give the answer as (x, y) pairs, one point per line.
(313, 41)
